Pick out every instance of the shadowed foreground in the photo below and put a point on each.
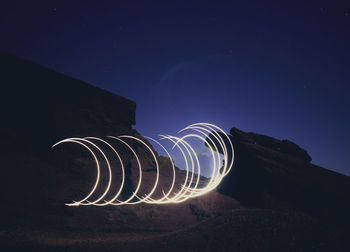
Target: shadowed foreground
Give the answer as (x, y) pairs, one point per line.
(239, 230)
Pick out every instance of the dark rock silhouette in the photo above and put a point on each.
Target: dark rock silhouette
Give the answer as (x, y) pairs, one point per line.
(282, 146)
(277, 174)
(40, 107)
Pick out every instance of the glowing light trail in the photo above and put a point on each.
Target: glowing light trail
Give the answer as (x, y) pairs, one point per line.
(206, 132)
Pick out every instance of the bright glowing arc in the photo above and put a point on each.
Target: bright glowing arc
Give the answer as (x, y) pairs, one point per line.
(211, 135)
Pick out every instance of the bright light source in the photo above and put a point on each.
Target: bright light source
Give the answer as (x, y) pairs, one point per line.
(199, 130)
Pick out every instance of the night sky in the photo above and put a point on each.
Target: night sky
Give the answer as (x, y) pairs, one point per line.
(277, 69)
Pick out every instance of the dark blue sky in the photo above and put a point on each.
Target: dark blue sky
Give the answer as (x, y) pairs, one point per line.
(280, 69)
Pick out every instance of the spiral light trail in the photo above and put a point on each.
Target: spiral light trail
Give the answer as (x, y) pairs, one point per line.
(189, 188)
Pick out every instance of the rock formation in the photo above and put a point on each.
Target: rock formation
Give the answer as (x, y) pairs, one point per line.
(40, 107)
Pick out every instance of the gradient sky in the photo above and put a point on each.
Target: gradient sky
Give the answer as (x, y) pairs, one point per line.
(277, 69)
